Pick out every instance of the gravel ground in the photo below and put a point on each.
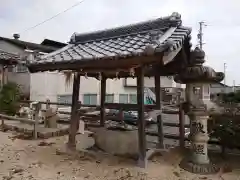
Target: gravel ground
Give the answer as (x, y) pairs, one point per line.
(41, 160)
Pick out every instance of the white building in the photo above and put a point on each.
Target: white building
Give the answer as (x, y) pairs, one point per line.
(20, 74)
(52, 85)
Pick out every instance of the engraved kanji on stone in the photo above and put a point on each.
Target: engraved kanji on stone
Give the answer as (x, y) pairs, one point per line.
(197, 127)
(198, 149)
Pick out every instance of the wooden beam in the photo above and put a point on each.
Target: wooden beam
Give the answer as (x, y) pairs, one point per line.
(142, 161)
(158, 93)
(133, 107)
(12, 118)
(100, 64)
(102, 101)
(74, 121)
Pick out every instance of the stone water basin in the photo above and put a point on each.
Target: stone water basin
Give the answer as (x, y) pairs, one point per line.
(117, 140)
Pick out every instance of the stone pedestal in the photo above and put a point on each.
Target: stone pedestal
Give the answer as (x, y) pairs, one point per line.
(199, 138)
(50, 118)
(198, 162)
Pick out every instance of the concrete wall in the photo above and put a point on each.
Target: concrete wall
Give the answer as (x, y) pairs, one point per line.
(8, 47)
(51, 84)
(22, 79)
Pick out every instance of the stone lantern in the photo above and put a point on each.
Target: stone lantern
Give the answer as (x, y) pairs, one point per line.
(198, 79)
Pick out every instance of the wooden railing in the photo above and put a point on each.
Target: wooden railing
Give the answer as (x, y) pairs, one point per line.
(91, 119)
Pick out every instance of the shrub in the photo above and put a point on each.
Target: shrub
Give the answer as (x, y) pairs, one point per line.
(232, 97)
(9, 98)
(226, 130)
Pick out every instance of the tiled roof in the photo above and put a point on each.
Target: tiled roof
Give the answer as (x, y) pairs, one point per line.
(146, 38)
(30, 45)
(6, 57)
(52, 43)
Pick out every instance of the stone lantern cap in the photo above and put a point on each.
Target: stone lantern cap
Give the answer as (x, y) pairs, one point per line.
(196, 72)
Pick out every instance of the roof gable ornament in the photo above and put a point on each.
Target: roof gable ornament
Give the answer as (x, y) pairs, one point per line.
(175, 16)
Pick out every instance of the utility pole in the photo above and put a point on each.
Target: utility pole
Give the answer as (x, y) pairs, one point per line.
(224, 70)
(234, 86)
(200, 34)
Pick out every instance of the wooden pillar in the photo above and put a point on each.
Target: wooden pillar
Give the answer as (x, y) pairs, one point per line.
(142, 161)
(1, 75)
(74, 121)
(181, 126)
(102, 103)
(5, 69)
(36, 106)
(158, 93)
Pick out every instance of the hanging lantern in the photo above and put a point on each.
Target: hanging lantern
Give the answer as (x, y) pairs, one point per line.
(132, 72)
(99, 76)
(86, 76)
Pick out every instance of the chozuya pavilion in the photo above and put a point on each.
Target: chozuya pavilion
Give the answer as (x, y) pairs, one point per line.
(159, 47)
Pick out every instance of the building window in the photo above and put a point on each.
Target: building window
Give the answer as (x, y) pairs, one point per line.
(66, 99)
(133, 98)
(123, 98)
(90, 99)
(21, 68)
(109, 98)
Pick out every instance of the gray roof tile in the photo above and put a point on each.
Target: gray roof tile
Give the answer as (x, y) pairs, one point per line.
(121, 42)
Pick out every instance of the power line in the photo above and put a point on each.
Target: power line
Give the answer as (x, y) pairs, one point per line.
(223, 25)
(56, 15)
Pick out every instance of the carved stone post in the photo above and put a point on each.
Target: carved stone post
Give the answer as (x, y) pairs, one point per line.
(198, 79)
(36, 106)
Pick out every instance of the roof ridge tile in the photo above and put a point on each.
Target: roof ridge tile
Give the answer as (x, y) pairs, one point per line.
(156, 24)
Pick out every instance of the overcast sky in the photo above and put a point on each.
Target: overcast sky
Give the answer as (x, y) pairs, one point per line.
(221, 36)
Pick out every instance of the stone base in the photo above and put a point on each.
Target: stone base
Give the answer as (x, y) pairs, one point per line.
(43, 133)
(202, 169)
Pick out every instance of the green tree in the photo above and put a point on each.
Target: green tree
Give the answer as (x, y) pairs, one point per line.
(226, 130)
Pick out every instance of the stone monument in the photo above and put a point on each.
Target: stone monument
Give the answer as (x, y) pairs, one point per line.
(198, 79)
